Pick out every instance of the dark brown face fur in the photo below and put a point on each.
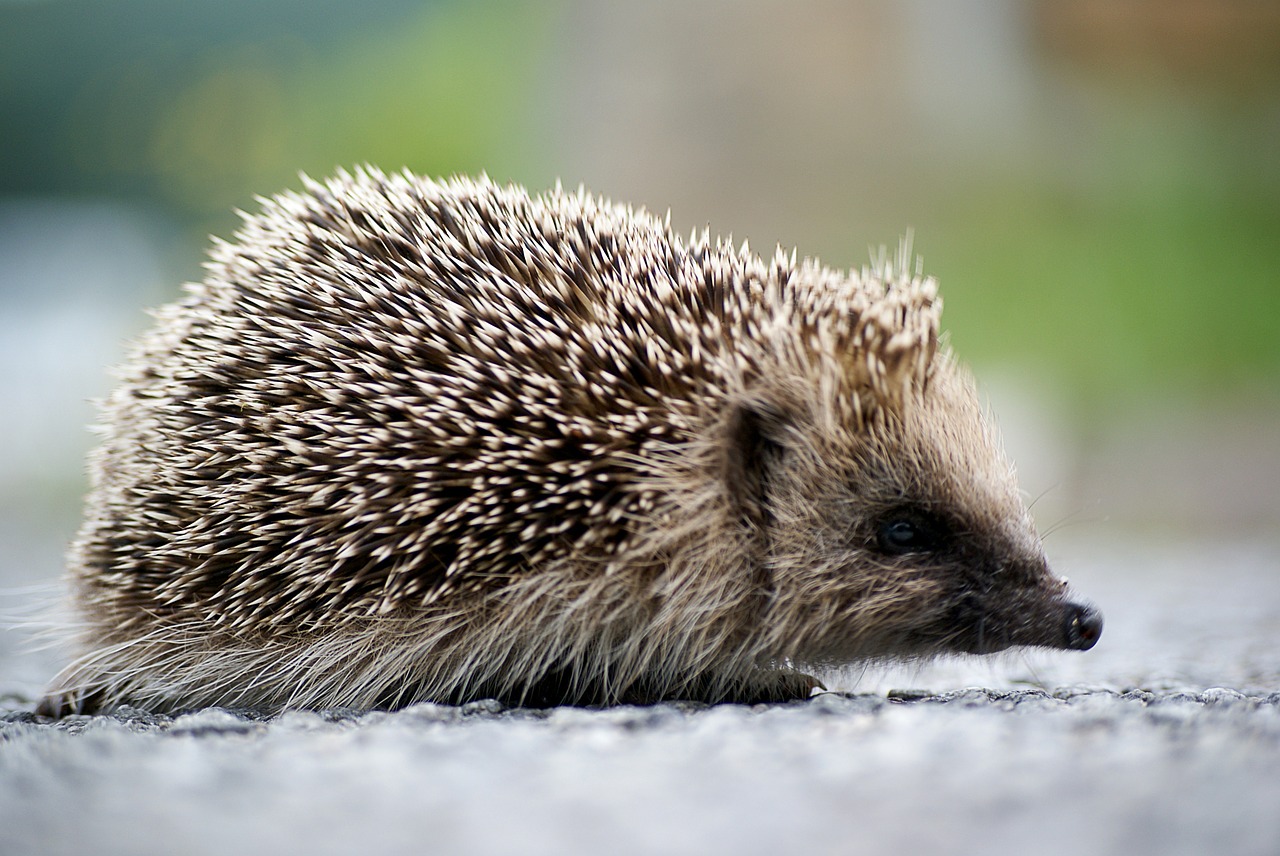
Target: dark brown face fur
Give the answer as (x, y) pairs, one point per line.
(905, 539)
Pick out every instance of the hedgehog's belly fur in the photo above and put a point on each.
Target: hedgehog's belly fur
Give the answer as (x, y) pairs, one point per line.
(526, 644)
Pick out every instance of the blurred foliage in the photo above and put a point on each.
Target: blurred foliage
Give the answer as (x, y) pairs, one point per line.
(443, 93)
(1167, 284)
(1145, 257)
(199, 106)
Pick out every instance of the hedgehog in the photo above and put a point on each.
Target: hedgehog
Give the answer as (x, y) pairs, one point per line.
(415, 440)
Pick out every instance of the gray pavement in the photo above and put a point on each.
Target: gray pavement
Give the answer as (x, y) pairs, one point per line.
(1163, 739)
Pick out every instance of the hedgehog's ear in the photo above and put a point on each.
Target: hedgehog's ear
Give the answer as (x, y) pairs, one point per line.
(753, 445)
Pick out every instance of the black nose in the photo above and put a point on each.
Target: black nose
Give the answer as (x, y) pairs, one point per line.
(1083, 627)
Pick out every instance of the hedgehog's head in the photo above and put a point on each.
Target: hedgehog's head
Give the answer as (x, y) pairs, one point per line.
(891, 522)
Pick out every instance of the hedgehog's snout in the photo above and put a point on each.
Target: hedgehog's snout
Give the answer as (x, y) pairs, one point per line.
(1082, 627)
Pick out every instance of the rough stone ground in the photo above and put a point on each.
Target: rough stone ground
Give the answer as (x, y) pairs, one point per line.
(1164, 739)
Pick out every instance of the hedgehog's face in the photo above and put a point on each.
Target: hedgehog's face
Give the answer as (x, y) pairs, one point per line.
(908, 539)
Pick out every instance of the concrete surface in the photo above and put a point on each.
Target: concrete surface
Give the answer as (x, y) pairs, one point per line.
(1163, 739)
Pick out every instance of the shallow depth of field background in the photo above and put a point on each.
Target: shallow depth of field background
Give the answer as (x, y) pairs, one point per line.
(1095, 184)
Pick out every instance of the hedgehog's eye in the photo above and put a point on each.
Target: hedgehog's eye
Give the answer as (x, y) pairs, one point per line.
(909, 533)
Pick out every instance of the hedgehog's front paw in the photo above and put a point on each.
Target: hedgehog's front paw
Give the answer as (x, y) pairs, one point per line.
(775, 685)
(57, 703)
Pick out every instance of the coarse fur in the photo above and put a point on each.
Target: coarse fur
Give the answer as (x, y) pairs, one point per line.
(416, 440)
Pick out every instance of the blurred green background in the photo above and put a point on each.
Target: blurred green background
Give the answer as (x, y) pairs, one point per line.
(1095, 184)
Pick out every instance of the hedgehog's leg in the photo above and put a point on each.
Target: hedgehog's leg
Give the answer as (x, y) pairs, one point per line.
(54, 705)
(775, 685)
(760, 686)
(58, 702)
